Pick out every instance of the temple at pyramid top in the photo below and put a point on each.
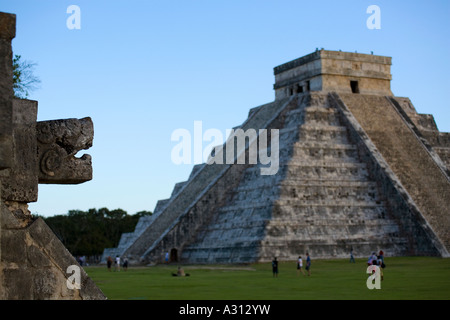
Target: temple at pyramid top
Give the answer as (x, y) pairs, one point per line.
(338, 71)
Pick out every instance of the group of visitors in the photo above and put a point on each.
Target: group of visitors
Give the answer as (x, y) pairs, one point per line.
(377, 260)
(374, 259)
(117, 261)
(299, 266)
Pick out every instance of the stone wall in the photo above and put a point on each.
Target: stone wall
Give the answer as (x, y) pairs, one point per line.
(33, 262)
(7, 33)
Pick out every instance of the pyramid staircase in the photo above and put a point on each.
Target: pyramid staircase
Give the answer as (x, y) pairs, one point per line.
(321, 200)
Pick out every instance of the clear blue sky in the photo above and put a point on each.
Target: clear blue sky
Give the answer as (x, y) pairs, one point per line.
(142, 69)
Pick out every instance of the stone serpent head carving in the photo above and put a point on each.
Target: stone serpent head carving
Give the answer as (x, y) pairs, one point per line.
(58, 143)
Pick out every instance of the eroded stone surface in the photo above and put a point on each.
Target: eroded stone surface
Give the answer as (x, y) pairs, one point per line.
(58, 143)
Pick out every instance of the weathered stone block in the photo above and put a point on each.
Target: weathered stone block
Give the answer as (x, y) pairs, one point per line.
(14, 248)
(22, 182)
(7, 33)
(45, 283)
(17, 283)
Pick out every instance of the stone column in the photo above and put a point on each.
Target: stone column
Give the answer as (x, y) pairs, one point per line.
(7, 33)
(33, 262)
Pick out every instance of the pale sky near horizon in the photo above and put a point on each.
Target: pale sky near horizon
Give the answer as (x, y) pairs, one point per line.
(142, 69)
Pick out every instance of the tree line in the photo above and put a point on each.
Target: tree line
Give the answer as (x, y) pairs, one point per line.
(89, 232)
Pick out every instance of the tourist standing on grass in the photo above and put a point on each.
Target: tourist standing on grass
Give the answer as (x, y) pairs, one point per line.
(117, 263)
(352, 259)
(166, 258)
(372, 259)
(308, 264)
(109, 262)
(300, 266)
(125, 264)
(275, 267)
(381, 254)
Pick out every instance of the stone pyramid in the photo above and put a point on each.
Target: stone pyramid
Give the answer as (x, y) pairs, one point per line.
(358, 169)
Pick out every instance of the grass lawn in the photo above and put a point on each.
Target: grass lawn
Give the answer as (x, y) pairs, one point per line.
(404, 278)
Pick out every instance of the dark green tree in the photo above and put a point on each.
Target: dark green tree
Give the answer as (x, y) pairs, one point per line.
(88, 233)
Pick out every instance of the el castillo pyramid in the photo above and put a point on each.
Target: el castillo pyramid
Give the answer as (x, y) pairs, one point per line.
(359, 169)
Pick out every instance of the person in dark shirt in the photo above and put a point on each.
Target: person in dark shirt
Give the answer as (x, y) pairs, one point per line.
(275, 267)
(308, 264)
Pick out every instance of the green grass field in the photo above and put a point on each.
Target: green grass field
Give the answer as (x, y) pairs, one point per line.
(407, 278)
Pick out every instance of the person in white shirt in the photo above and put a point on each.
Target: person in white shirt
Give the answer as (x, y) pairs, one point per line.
(117, 263)
(300, 266)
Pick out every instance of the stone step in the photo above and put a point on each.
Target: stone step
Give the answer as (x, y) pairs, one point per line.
(303, 163)
(328, 183)
(223, 223)
(144, 222)
(334, 134)
(352, 190)
(319, 151)
(305, 222)
(328, 203)
(376, 211)
(358, 203)
(267, 183)
(313, 116)
(294, 118)
(347, 171)
(322, 193)
(299, 134)
(321, 115)
(225, 254)
(329, 155)
(323, 145)
(318, 114)
(215, 247)
(160, 206)
(315, 170)
(178, 186)
(125, 239)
